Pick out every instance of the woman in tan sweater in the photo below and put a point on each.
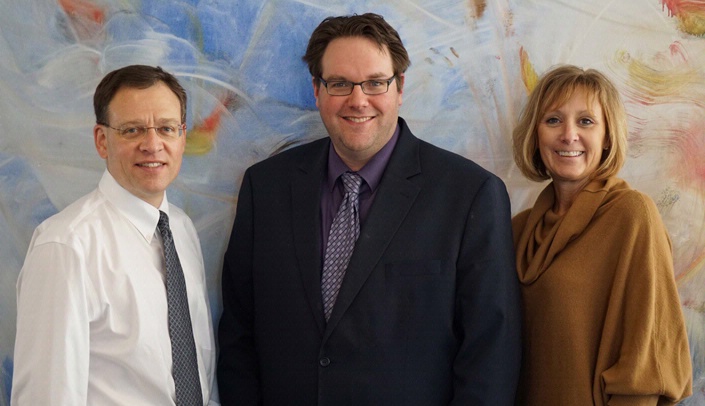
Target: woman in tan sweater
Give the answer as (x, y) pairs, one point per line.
(602, 317)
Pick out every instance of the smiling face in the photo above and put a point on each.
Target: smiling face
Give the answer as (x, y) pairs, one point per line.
(571, 139)
(147, 165)
(359, 125)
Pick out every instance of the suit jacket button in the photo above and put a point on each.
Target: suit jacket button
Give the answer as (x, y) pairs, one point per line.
(324, 362)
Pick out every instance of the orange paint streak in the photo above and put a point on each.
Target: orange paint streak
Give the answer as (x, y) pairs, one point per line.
(202, 137)
(83, 8)
(690, 14)
(693, 269)
(680, 7)
(528, 74)
(477, 8)
(212, 122)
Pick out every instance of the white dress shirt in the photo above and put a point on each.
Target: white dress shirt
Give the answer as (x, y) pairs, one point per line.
(92, 324)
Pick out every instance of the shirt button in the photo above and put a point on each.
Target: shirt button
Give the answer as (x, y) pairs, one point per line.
(324, 362)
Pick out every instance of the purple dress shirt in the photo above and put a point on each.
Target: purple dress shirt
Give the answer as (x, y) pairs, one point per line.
(332, 191)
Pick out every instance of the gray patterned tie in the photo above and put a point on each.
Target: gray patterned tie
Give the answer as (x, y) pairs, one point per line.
(183, 349)
(341, 241)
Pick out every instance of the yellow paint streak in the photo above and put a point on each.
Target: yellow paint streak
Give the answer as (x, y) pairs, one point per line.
(199, 142)
(663, 77)
(692, 23)
(528, 74)
(696, 266)
(201, 139)
(690, 15)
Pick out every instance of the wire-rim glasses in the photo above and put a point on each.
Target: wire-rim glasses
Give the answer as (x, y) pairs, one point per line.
(167, 132)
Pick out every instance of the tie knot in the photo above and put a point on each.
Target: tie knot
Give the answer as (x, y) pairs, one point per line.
(351, 182)
(163, 223)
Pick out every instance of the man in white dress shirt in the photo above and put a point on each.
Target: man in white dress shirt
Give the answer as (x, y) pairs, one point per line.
(92, 326)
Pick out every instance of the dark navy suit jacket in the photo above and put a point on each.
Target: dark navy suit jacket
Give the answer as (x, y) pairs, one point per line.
(428, 313)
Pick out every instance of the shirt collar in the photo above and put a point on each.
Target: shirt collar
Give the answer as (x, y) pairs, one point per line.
(139, 213)
(371, 172)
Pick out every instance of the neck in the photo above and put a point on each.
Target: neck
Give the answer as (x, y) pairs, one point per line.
(565, 194)
(154, 201)
(354, 163)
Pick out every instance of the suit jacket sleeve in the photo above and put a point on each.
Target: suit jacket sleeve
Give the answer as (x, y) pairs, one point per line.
(488, 315)
(238, 375)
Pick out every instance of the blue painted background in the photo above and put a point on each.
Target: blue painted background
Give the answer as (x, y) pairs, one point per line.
(250, 96)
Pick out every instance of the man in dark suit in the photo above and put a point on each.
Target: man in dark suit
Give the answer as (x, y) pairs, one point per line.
(428, 309)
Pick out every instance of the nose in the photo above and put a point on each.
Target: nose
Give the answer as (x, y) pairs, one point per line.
(151, 142)
(570, 133)
(358, 98)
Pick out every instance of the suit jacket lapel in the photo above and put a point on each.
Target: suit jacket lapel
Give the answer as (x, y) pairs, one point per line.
(306, 220)
(395, 196)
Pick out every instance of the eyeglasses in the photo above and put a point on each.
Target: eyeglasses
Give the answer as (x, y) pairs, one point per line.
(369, 87)
(167, 132)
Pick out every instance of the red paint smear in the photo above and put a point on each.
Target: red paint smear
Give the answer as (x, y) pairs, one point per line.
(212, 122)
(84, 9)
(678, 52)
(691, 145)
(209, 125)
(679, 8)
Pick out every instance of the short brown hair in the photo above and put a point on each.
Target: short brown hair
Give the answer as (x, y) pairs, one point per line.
(555, 88)
(369, 25)
(133, 76)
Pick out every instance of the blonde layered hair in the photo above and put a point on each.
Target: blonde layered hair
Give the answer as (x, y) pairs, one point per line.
(554, 89)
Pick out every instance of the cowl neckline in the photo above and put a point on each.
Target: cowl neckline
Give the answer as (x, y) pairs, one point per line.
(546, 234)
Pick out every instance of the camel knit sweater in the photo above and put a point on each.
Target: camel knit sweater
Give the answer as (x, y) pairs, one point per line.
(602, 318)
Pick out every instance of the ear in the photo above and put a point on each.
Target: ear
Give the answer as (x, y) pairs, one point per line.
(316, 89)
(400, 86)
(101, 140)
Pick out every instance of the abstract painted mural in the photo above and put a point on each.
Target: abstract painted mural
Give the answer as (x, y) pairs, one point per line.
(250, 96)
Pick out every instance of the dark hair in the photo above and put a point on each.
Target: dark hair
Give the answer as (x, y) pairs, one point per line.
(369, 25)
(133, 76)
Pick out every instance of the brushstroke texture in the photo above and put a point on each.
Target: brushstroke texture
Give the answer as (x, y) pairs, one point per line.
(690, 15)
(473, 63)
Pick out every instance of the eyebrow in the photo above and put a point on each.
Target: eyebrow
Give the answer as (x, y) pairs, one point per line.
(580, 113)
(158, 122)
(374, 76)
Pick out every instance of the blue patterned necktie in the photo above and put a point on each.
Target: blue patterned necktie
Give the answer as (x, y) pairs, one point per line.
(183, 348)
(341, 241)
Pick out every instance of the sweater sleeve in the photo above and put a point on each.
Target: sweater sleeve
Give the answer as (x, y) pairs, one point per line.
(653, 364)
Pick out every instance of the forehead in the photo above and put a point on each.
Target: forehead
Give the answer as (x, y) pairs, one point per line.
(577, 94)
(157, 101)
(356, 56)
